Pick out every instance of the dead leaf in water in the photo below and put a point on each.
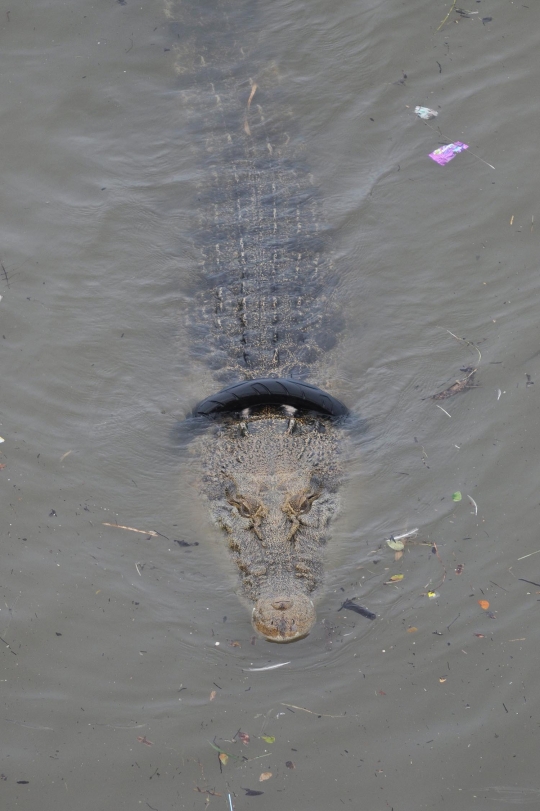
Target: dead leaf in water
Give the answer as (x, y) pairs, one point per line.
(484, 604)
(265, 776)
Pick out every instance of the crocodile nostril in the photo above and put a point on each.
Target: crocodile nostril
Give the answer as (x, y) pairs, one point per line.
(282, 605)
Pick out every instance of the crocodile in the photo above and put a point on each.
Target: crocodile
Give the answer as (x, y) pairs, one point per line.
(265, 318)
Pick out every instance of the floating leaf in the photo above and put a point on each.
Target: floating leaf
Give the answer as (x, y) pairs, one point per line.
(265, 776)
(223, 758)
(483, 604)
(397, 546)
(433, 594)
(243, 736)
(412, 629)
(456, 496)
(442, 679)
(268, 738)
(480, 636)
(396, 577)
(289, 764)
(213, 694)
(251, 792)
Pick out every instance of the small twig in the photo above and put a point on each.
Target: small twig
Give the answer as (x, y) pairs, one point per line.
(528, 581)
(8, 645)
(473, 502)
(529, 555)
(449, 626)
(435, 549)
(268, 667)
(253, 91)
(445, 411)
(469, 343)
(447, 16)
(404, 535)
(132, 529)
(320, 714)
(138, 570)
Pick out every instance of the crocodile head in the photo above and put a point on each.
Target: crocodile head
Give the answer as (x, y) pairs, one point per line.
(271, 483)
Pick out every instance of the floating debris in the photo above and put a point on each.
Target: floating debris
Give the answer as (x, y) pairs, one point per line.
(444, 154)
(131, 529)
(395, 542)
(458, 386)
(318, 714)
(425, 113)
(394, 579)
(484, 604)
(349, 605)
(268, 667)
(456, 496)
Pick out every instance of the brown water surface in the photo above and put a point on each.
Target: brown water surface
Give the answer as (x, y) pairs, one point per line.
(125, 655)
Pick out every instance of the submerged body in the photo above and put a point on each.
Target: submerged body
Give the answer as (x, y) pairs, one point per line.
(266, 311)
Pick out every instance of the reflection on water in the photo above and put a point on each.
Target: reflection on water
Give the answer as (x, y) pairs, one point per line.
(125, 654)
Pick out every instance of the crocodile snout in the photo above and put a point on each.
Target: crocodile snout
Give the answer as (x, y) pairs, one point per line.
(284, 618)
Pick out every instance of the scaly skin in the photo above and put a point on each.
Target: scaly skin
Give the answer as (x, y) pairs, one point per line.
(263, 305)
(271, 482)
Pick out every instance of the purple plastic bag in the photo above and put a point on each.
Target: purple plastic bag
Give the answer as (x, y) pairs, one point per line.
(444, 154)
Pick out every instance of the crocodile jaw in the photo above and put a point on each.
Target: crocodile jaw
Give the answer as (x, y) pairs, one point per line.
(284, 618)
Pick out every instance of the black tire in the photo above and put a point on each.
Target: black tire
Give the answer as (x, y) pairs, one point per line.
(271, 391)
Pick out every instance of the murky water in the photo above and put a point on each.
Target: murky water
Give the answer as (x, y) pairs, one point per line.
(124, 654)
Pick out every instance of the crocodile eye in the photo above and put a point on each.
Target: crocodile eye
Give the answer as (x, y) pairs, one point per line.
(247, 507)
(301, 504)
(304, 506)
